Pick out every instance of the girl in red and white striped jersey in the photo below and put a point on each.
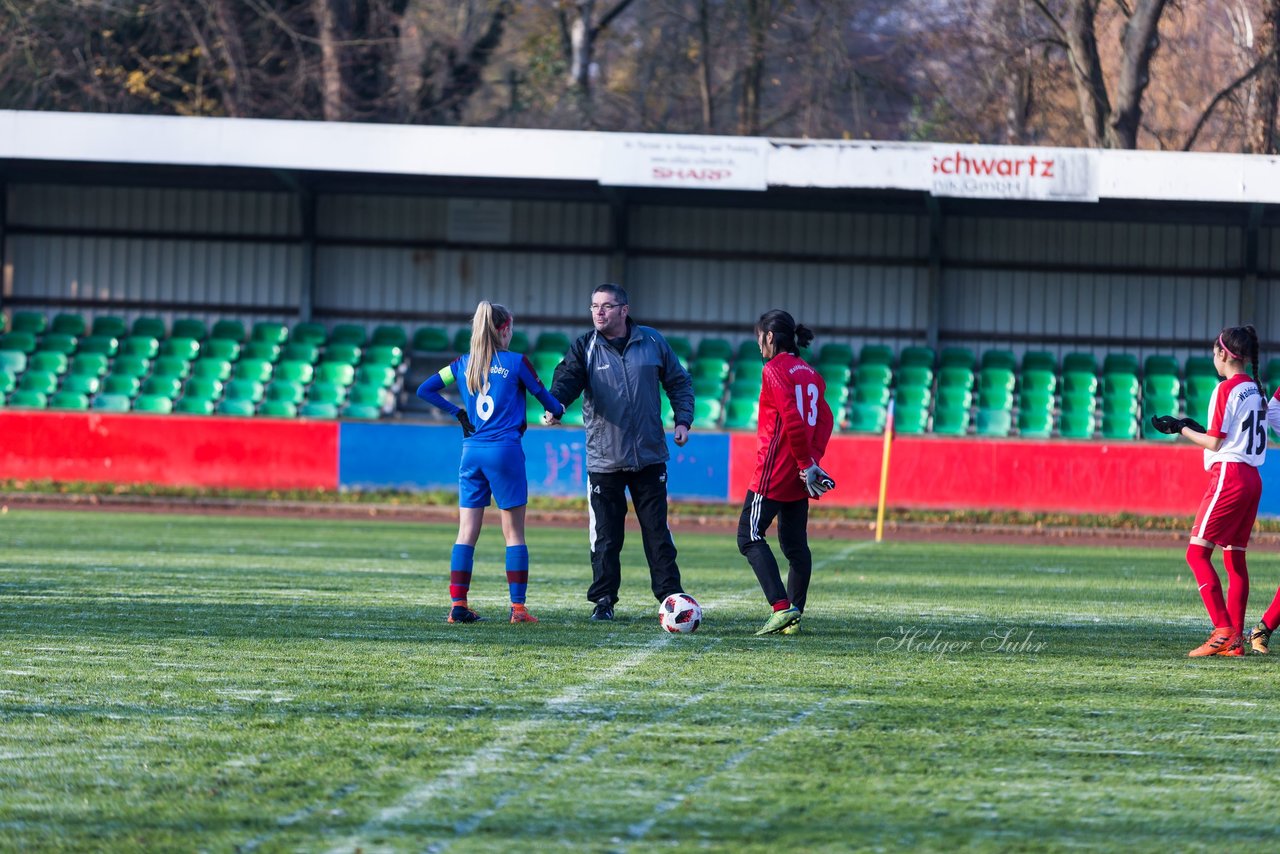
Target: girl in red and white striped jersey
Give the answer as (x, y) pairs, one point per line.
(794, 426)
(1235, 445)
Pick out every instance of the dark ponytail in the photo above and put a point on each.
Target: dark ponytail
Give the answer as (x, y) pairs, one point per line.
(1242, 342)
(787, 334)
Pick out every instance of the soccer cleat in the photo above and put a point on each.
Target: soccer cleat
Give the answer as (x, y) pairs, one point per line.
(603, 610)
(1260, 639)
(780, 620)
(520, 615)
(1220, 642)
(463, 614)
(793, 629)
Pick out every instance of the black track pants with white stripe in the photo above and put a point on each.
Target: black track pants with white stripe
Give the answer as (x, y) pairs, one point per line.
(758, 513)
(608, 514)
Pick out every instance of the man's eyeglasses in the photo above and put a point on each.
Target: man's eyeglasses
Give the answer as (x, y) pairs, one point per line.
(606, 306)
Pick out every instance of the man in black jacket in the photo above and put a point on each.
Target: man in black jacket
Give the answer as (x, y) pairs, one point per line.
(617, 367)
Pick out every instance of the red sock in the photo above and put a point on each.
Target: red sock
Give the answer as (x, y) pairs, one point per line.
(782, 605)
(1237, 586)
(1272, 616)
(1210, 587)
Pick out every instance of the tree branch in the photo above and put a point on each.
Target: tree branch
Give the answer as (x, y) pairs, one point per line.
(608, 17)
(1253, 72)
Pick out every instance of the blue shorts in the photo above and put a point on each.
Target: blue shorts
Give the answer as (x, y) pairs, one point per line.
(492, 470)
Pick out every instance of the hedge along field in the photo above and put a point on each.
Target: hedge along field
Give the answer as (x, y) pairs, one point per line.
(199, 683)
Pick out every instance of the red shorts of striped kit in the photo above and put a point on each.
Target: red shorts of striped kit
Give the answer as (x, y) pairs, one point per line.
(1229, 506)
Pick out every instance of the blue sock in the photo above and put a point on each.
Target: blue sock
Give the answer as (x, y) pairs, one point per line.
(517, 572)
(460, 563)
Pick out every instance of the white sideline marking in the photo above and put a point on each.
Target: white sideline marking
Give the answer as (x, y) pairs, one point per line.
(467, 768)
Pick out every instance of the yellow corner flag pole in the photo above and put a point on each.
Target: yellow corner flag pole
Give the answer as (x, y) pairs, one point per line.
(884, 472)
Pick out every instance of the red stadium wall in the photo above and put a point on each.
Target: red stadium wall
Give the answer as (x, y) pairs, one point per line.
(169, 449)
(1008, 474)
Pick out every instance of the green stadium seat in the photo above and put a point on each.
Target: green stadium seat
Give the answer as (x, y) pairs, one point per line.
(747, 350)
(1120, 363)
(171, 366)
(42, 381)
(715, 348)
(349, 333)
(953, 397)
(288, 390)
(951, 420)
(361, 411)
(992, 422)
(955, 376)
(211, 367)
(80, 384)
(957, 357)
(1270, 375)
(371, 395)
(1035, 421)
(238, 407)
(747, 388)
(906, 396)
(295, 371)
(874, 374)
(270, 332)
(318, 409)
(835, 374)
(69, 400)
(707, 413)
(830, 354)
(910, 420)
(1161, 386)
(341, 352)
(915, 375)
(252, 369)
(57, 343)
(573, 414)
(379, 375)
(189, 327)
(89, 364)
(183, 348)
(875, 354)
(109, 326)
(111, 402)
(195, 406)
(378, 355)
(683, 349)
(50, 360)
(1002, 378)
(1120, 404)
(121, 384)
(33, 322)
(741, 414)
(462, 340)
(26, 399)
(1076, 424)
(133, 366)
(1120, 385)
(1001, 359)
(1079, 401)
(265, 351)
(390, 335)
(296, 351)
(322, 391)
(1079, 362)
(158, 385)
(18, 340)
(309, 333)
(837, 397)
(753, 369)
(102, 344)
(708, 387)
(995, 397)
(1119, 425)
(278, 409)
(871, 394)
(1037, 380)
(1039, 360)
(710, 368)
(13, 361)
(431, 339)
(8, 382)
(1161, 366)
(244, 389)
(916, 356)
(547, 342)
(1202, 366)
(156, 404)
(228, 329)
(1079, 382)
(867, 418)
(148, 327)
(519, 343)
(335, 372)
(69, 324)
(226, 349)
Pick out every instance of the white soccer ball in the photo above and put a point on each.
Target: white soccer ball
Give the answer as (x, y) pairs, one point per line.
(680, 613)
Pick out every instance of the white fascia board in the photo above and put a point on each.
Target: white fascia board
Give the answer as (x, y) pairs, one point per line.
(1189, 176)
(856, 165)
(320, 146)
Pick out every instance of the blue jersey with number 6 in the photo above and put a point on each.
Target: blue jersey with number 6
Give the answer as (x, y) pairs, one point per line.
(498, 409)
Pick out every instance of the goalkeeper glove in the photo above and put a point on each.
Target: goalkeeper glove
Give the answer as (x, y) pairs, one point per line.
(468, 429)
(817, 481)
(1169, 424)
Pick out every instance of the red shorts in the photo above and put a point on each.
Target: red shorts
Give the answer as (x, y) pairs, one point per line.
(1229, 506)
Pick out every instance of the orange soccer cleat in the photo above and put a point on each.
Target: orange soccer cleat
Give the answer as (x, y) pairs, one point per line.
(519, 614)
(1220, 642)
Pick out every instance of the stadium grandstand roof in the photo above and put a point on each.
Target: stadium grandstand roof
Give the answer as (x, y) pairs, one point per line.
(45, 139)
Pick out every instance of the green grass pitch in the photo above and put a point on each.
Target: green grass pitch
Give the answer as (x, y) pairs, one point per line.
(232, 684)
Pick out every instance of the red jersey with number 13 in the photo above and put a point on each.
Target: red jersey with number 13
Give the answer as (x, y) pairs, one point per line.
(793, 428)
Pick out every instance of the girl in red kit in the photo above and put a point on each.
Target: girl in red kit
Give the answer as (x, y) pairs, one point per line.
(794, 426)
(1235, 445)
